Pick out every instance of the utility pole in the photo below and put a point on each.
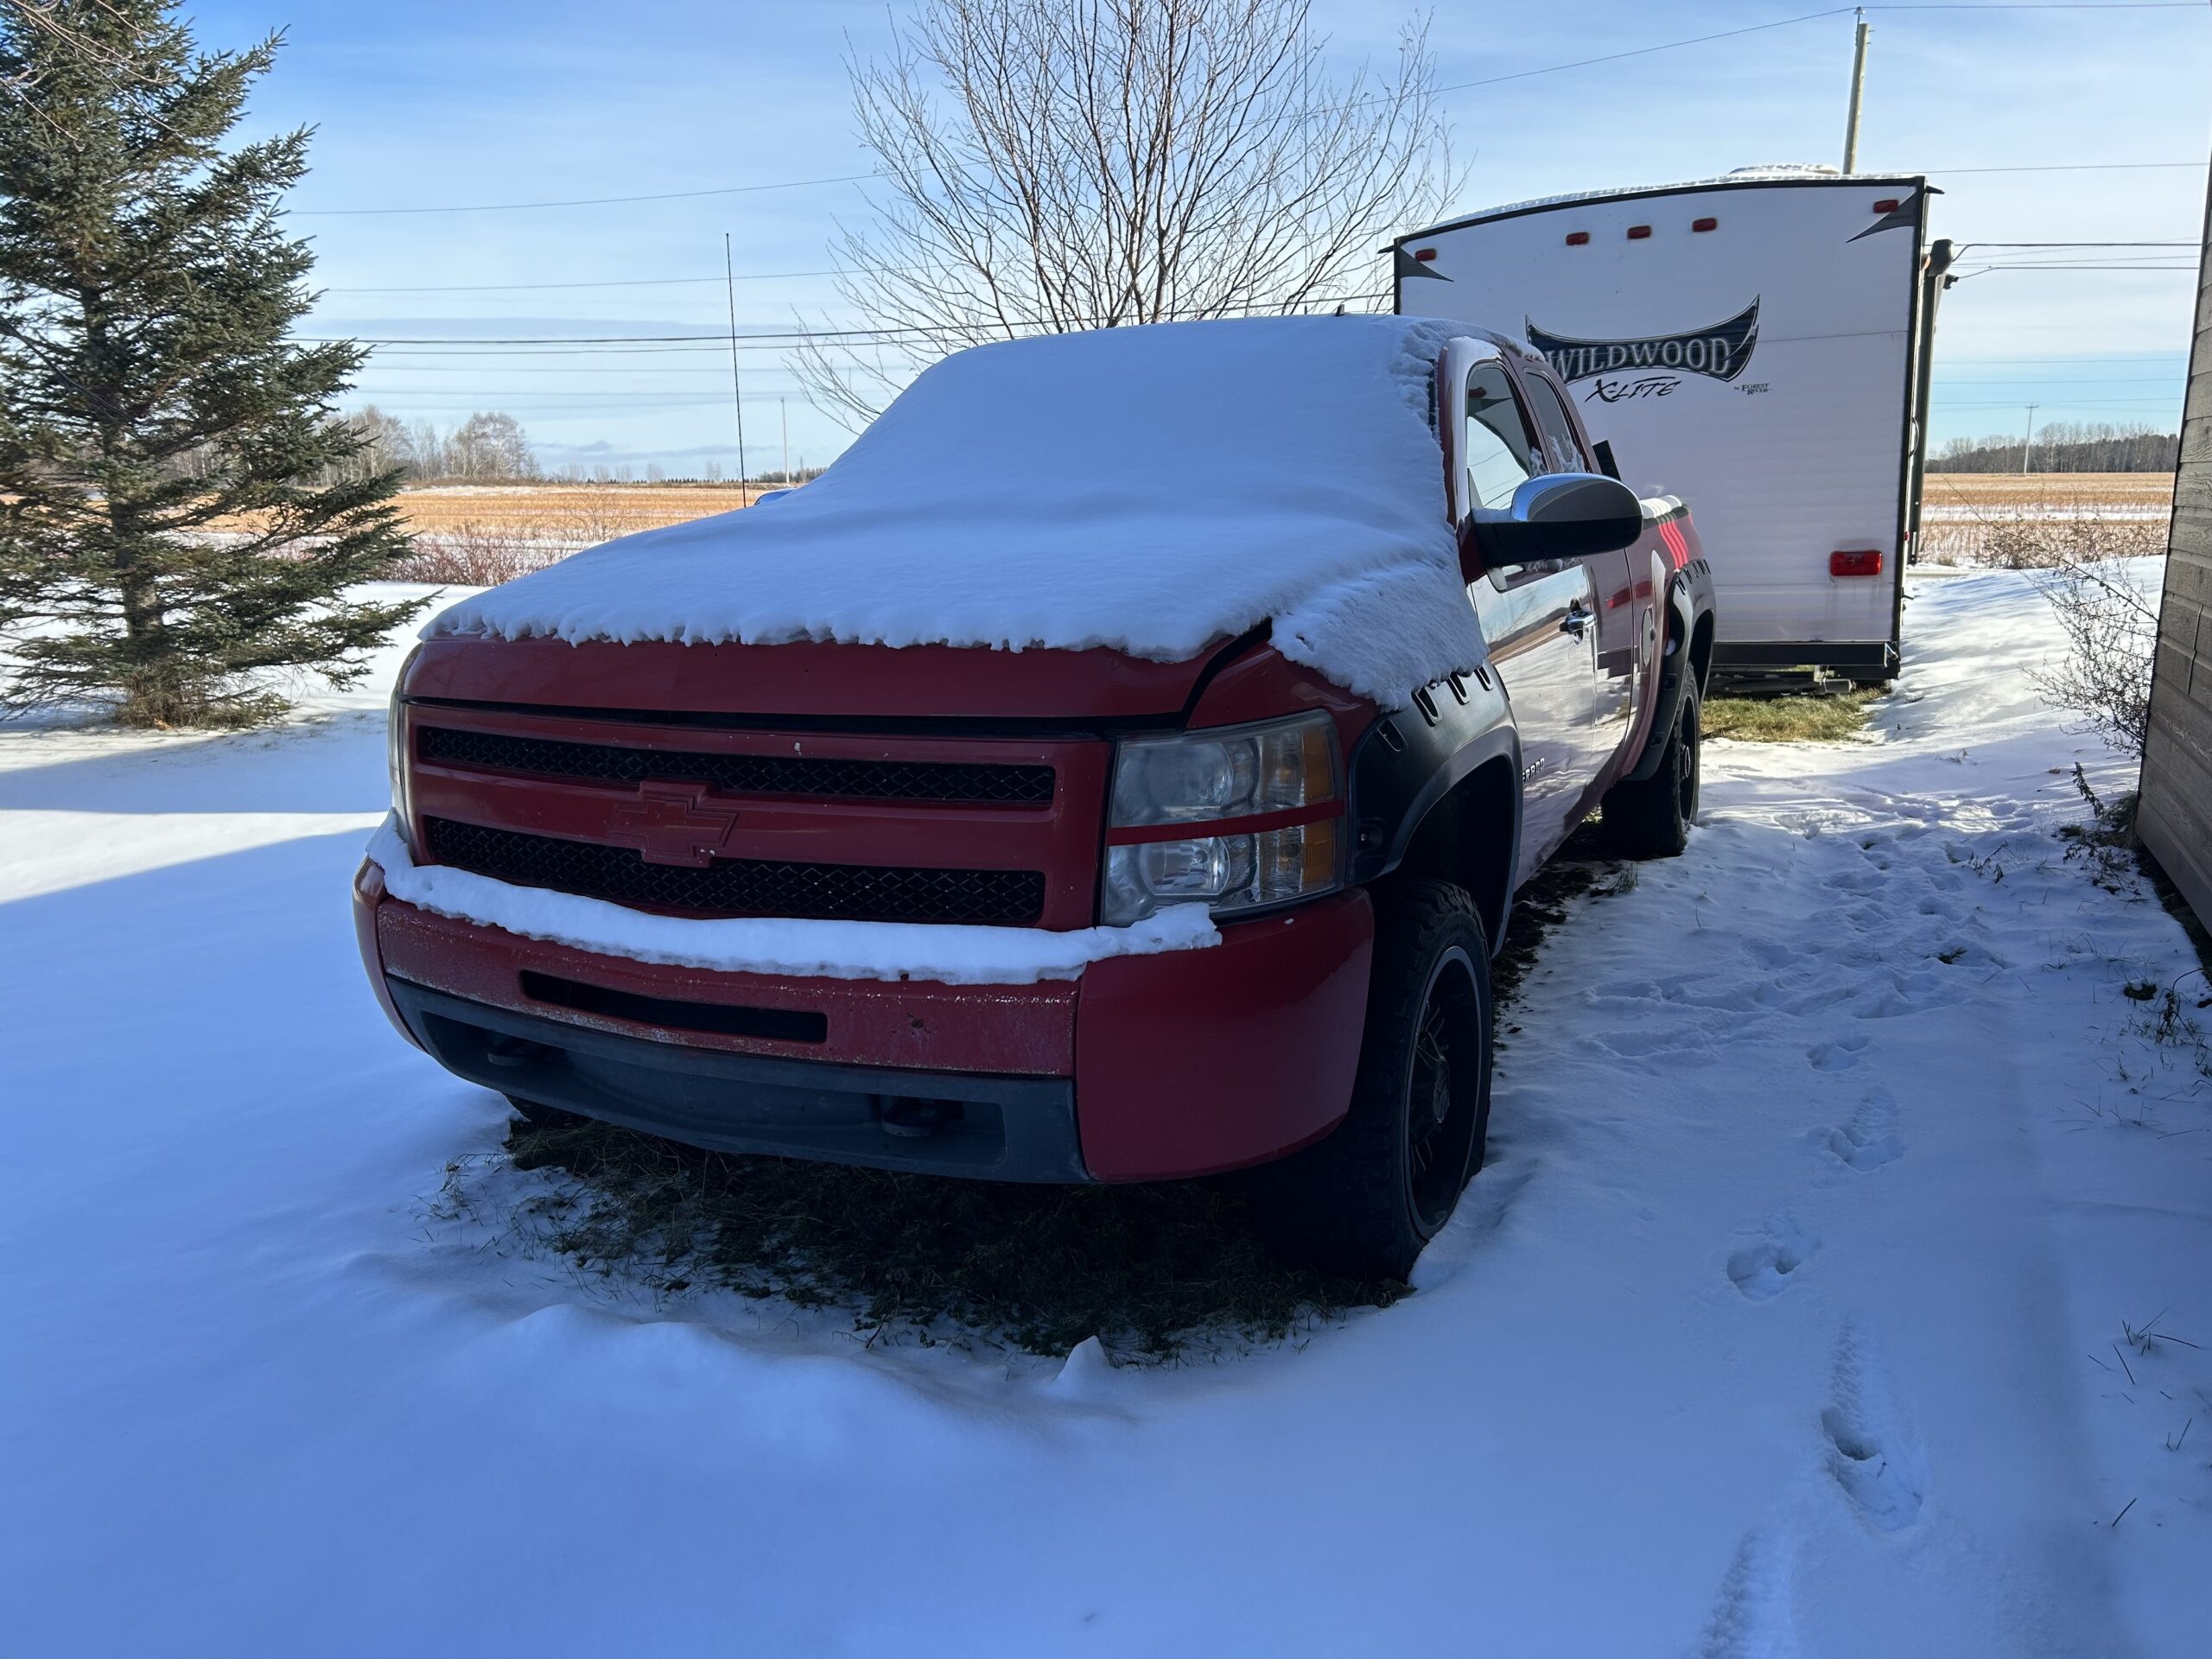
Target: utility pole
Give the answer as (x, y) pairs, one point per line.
(1857, 90)
(783, 416)
(736, 386)
(2028, 443)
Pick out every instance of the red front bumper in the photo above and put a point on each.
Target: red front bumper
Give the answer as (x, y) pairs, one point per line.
(1177, 1064)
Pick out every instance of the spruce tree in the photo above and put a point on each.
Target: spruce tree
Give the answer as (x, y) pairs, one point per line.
(179, 523)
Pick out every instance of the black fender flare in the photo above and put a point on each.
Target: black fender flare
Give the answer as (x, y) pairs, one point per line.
(1689, 596)
(1409, 760)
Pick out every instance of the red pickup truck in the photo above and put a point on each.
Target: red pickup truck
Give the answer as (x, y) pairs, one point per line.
(1070, 900)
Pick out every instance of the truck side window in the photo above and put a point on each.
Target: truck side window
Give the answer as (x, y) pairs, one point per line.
(1501, 455)
(1562, 450)
(1499, 447)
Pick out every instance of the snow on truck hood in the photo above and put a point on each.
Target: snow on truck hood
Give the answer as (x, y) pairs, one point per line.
(1148, 490)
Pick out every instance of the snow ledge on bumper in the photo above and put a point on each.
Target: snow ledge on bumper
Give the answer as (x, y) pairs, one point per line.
(950, 955)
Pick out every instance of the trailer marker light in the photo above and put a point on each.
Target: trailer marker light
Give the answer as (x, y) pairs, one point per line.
(1886, 205)
(1577, 238)
(1704, 223)
(1424, 254)
(1638, 232)
(1865, 562)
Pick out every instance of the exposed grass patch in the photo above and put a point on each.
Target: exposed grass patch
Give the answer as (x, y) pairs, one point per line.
(1789, 719)
(1146, 1268)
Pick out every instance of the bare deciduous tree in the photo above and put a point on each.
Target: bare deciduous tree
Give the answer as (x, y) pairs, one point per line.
(490, 446)
(1051, 165)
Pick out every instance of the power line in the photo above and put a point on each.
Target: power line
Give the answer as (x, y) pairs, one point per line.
(626, 282)
(422, 368)
(1640, 51)
(710, 343)
(860, 178)
(2096, 380)
(580, 201)
(715, 342)
(1808, 18)
(784, 276)
(793, 275)
(2064, 361)
(1456, 86)
(1985, 271)
(2065, 166)
(779, 337)
(2071, 403)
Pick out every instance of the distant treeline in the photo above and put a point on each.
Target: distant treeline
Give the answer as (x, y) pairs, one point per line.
(2064, 446)
(491, 447)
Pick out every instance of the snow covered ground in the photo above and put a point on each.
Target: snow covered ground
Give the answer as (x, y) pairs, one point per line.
(1787, 1319)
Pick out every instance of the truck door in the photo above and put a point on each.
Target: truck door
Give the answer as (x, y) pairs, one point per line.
(1617, 635)
(1538, 618)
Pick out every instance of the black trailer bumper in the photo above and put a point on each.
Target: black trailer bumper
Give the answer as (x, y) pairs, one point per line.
(1006, 1129)
(1764, 658)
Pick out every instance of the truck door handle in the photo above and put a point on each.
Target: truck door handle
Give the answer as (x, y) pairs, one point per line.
(1576, 619)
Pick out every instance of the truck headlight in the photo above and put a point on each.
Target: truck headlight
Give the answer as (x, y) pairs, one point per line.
(395, 754)
(1261, 806)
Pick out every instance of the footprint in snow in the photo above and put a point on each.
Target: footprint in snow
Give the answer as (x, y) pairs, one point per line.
(1874, 1453)
(1648, 1045)
(1769, 953)
(1923, 991)
(1838, 1056)
(1870, 1140)
(1763, 1269)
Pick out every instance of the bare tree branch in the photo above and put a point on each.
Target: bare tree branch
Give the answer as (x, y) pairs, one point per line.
(1051, 165)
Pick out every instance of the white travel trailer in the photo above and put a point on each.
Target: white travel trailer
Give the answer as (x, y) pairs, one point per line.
(1757, 344)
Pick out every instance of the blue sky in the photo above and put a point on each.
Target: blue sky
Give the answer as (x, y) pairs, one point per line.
(481, 101)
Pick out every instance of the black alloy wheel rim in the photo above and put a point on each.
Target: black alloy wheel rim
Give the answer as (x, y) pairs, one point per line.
(1443, 1090)
(1686, 765)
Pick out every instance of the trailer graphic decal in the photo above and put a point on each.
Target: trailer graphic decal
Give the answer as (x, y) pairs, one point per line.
(1721, 352)
(1904, 216)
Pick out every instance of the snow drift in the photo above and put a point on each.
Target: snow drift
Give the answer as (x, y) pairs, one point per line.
(1150, 490)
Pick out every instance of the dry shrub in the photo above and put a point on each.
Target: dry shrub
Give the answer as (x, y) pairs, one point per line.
(483, 552)
(2043, 535)
(2111, 624)
(2061, 541)
(2112, 631)
(475, 555)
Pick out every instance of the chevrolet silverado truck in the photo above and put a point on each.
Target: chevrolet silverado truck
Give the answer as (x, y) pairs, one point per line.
(1118, 767)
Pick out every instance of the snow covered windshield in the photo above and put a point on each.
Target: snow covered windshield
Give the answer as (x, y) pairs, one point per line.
(1151, 490)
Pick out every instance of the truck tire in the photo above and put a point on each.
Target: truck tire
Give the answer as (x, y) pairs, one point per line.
(1652, 819)
(1365, 1199)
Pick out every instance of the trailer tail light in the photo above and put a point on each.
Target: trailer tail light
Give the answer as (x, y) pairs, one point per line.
(1704, 223)
(1425, 255)
(1638, 232)
(1578, 238)
(1864, 562)
(1886, 205)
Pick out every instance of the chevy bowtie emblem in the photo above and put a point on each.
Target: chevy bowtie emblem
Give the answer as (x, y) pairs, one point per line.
(675, 823)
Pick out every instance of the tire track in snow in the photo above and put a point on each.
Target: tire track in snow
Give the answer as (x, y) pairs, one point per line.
(1752, 1619)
